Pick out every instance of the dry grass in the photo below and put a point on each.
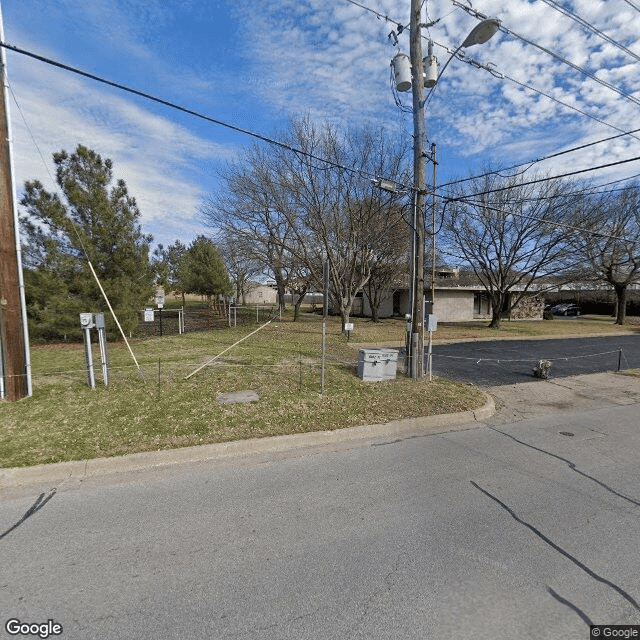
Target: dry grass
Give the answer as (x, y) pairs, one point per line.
(157, 408)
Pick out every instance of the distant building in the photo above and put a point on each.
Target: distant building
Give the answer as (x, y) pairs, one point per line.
(261, 293)
(458, 298)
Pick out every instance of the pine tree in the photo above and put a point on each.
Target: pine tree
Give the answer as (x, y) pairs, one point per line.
(92, 218)
(202, 269)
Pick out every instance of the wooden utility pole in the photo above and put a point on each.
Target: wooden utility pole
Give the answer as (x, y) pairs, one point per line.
(419, 178)
(13, 342)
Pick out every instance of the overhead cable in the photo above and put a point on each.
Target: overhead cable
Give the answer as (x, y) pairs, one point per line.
(549, 178)
(172, 105)
(554, 55)
(543, 158)
(241, 130)
(492, 69)
(501, 76)
(587, 25)
(632, 5)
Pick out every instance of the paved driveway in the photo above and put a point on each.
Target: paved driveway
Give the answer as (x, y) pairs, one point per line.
(500, 362)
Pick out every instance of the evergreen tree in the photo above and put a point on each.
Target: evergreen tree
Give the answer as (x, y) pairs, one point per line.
(166, 264)
(93, 218)
(202, 269)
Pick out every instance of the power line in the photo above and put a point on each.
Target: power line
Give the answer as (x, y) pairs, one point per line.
(549, 178)
(493, 71)
(248, 132)
(632, 5)
(587, 25)
(380, 16)
(543, 158)
(591, 190)
(554, 223)
(554, 55)
(177, 107)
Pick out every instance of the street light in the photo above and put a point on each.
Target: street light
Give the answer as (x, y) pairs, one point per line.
(482, 32)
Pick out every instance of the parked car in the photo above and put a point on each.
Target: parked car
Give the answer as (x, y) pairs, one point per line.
(566, 310)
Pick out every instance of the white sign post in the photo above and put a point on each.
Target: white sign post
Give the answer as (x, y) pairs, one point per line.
(159, 298)
(348, 327)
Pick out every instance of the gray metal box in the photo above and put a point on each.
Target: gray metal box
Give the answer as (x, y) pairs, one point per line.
(377, 364)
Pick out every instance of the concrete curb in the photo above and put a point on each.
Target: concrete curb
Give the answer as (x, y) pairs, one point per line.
(78, 470)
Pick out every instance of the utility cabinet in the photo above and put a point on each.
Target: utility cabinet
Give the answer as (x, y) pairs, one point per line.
(377, 364)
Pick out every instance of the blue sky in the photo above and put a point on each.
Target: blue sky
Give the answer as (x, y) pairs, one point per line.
(255, 65)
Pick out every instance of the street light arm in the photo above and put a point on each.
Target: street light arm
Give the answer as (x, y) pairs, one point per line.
(451, 57)
(482, 32)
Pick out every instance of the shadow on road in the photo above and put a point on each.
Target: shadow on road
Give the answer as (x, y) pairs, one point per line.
(41, 500)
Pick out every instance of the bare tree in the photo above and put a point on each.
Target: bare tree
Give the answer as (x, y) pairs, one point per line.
(611, 241)
(296, 208)
(241, 263)
(389, 258)
(511, 232)
(339, 213)
(247, 210)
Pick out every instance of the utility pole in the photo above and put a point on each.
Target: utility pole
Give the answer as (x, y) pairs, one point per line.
(416, 355)
(14, 342)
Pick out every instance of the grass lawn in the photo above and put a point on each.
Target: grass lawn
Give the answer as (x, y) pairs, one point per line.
(157, 408)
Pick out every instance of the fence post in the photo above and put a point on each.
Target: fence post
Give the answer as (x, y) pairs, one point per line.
(619, 357)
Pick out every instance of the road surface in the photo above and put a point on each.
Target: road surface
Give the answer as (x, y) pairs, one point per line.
(522, 529)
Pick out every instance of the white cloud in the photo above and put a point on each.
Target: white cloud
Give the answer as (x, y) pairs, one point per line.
(334, 61)
(331, 59)
(160, 160)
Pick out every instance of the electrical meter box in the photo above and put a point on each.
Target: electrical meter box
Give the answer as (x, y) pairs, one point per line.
(99, 320)
(86, 321)
(377, 364)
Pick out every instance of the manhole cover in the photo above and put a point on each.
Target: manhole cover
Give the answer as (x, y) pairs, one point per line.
(566, 433)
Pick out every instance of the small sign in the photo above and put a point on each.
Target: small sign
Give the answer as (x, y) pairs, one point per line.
(432, 322)
(149, 315)
(159, 298)
(348, 326)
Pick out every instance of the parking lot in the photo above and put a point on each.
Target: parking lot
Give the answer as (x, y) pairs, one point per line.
(498, 362)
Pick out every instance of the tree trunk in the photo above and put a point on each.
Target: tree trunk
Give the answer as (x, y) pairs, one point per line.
(621, 304)
(296, 308)
(497, 302)
(345, 313)
(375, 303)
(281, 290)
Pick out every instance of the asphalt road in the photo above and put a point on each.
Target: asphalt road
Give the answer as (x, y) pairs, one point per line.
(493, 533)
(502, 362)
